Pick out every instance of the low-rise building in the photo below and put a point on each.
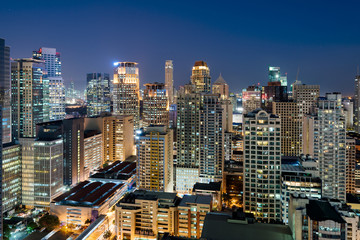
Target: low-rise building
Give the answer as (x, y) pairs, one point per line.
(213, 189)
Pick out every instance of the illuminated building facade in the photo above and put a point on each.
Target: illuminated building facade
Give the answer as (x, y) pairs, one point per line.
(324, 138)
(357, 105)
(200, 138)
(48, 171)
(350, 165)
(155, 105)
(200, 77)
(276, 76)
(306, 95)
(126, 95)
(273, 92)
(262, 165)
(169, 80)
(11, 177)
(221, 87)
(98, 93)
(5, 91)
(251, 99)
(93, 151)
(26, 96)
(348, 107)
(118, 138)
(56, 97)
(291, 117)
(155, 159)
(27, 171)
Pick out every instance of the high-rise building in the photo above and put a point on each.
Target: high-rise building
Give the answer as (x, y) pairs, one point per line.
(27, 171)
(118, 138)
(48, 170)
(306, 95)
(324, 138)
(169, 80)
(5, 91)
(357, 104)
(93, 151)
(200, 77)
(251, 99)
(56, 98)
(273, 92)
(221, 87)
(98, 93)
(262, 165)
(155, 159)
(26, 96)
(1, 183)
(200, 138)
(291, 116)
(350, 165)
(155, 105)
(11, 178)
(126, 95)
(276, 76)
(348, 107)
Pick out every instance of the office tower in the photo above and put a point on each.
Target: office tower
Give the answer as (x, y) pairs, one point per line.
(5, 91)
(306, 95)
(155, 159)
(262, 165)
(276, 76)
(200, 138)
(172, 115)
(27, 171)
(93, 151)
(56, 98)
(126, 98)
(1, 183)
(350, 165)
(26, 96)
(348, 107)
(48, 168)
(73, 136)
(155, 105)
(98, 93)
(118, 138)
(251, 99)
(169, 80)
(324, 138)
(11, 177)
(221, 87)
(297, 178)
(200, 77)
(357, 105)
(291, 117)
(273, 92)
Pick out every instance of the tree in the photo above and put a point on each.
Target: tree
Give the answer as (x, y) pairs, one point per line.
(32, 226)
(7, 231)
(107, 234)
(49, 222)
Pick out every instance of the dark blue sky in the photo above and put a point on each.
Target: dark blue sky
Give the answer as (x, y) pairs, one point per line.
(238, 39)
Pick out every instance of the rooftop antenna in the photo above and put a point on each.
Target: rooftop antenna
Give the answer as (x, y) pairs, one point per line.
(297, 75)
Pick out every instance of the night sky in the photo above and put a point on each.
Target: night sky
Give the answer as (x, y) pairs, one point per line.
(240, 40)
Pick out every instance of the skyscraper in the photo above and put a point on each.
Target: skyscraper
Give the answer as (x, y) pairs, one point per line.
(221, 87)
(98, 93)
(56, 98)
(324, 138)
(306, 95)
(26, 96)
(201, 77)
(357, 105)
(276, 76)
(126, 96)
(350, 165)
(262, 165)
(169, 80)
(155, 159)
(251, 98)
(290, 113)
(200, 138)
(155, 105)
(5, 91)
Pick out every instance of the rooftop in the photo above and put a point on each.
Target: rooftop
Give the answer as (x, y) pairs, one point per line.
(220, 81)
(88, 194)
(211, 186)
(170, 198)
(200, 63)
(192, 199)
(117, 170)
(236, 231)
(321, 210)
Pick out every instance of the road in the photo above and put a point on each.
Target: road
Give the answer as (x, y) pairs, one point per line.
(98, 233)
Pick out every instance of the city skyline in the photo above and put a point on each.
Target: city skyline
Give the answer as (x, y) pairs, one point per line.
(325, 38)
